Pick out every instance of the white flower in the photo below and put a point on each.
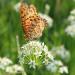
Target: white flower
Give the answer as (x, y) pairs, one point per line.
(5, 61)
(70, 30)
(63, 69)
(9, 69)
(61, 52)
(17, 68)
(17, 6)
(33, 47)
(49, 55)
(52, 67)
(71, 18)
(45, 48)
(14, 69)
(2, 66)
(58, 62)
(72, 12)
(7, 65)
(32, 64)
(49, 19)
(46, 61)
(35, 53)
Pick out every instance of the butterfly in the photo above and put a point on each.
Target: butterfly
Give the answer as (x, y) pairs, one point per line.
(32, 24)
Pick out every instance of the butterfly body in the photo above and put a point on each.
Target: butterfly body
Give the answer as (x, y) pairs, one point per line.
(33, 25)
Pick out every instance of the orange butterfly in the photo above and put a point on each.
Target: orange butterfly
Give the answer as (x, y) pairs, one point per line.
(33, 25)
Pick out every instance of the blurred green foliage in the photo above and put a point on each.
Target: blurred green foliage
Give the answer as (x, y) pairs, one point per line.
(10, 26)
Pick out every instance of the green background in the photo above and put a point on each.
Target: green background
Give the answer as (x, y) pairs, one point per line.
(10, 26)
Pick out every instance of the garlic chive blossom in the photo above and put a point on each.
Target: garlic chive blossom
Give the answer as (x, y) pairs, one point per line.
(34, 53)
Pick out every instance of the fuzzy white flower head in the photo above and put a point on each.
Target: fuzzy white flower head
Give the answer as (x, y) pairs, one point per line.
(72, 12)
(34, 52)
(17, 68)
(14, 69)
(49, 19)
(9, 69)
(58, 62)
(54, 65)
(61, 52)
(32, 46)
(4, 62)
(70, 30)
(71, 18)
(2, 66)
(17, 6)
(63, 69)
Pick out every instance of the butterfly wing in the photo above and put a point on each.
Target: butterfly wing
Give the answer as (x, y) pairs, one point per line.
(26, 14)
(33, 25)
(23, 13)
(39, 25)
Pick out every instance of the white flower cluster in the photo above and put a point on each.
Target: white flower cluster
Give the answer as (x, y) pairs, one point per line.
(57, 66)
(71, 17)
(36, 54)
(33, 52)
(7, 66)
(63, 69)
(61, 52)
(14, 69)
(4, 62)
(70, 30)
(53, 66)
